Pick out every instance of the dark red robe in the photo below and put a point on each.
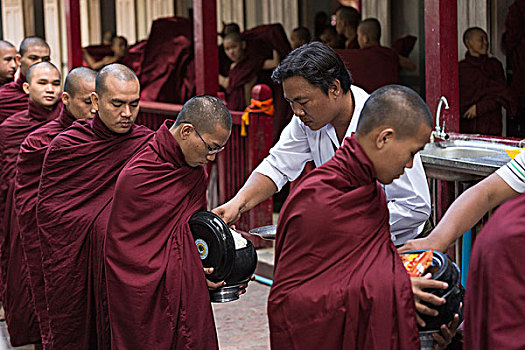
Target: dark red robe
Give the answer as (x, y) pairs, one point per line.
(157, 293)
(495, 293)
(482, 82)
(338, 280)
(76, 187)
(12, 98)
(372, 67)
(244, 72)
(21, 318)
(27, 179)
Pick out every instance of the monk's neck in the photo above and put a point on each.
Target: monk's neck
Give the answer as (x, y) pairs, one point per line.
(344, 117)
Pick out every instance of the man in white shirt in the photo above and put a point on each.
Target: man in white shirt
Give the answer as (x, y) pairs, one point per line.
(323, 121)
(507, 182)
(319, 89)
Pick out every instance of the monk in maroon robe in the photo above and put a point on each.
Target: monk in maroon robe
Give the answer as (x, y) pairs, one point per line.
(79, 84)
(157, 291)
(76, 187)
(482, 87)
(372, 66)
(244, 71)
(8, 64)
(495, 293)
(44, 87)
(13, 99)
(338, 281)
(347, 19)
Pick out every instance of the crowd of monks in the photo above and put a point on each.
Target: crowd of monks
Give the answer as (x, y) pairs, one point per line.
(95, 247)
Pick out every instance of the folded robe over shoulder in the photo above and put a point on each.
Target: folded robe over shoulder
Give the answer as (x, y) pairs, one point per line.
(77, 182)
(495, 293)
(12, 98)
(338, 281)
(21, 319)
(27, 179)
(157, 293)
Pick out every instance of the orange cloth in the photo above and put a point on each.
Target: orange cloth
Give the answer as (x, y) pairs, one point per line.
(256, 106)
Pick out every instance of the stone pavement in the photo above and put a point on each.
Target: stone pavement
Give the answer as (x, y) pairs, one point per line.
(243, 324)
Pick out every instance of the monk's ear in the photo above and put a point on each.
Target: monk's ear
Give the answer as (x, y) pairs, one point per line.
(66, 98)
(18, 59)
(185, 131)
(384, 138)
(25, 87)
(95, 100)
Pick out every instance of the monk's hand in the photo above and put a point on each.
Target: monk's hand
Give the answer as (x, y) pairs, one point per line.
(212, 285)
(470, 113)
(229, 212)
(421, 243)
(420, 283)
(443, 339)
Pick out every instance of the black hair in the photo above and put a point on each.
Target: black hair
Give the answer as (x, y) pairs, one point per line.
(75, 76)
(318, 64)
(31, 41)
(35, 66)
(468, 33)
(303, 34)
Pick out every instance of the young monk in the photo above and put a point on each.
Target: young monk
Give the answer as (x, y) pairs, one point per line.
(347, 19)
(243, 71)
(43, 87)
(482, 87)
(8, 64)
(339, 283)
(76, 188)
(13, 99)
(119, 46)
(79, 84)
(157, 293)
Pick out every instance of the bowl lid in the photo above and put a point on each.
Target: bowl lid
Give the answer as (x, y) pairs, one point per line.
(214, 242)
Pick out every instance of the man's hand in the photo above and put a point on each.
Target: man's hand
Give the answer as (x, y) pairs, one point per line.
(422, 243)
(470, 113)
(212, 285)
(420, 283)
(229, 212)
(443, 339)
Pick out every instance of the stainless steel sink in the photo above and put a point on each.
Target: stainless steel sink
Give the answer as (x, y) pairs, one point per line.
(463, 160)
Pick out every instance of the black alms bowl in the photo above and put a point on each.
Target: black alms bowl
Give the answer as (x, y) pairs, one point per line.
(216, 247)
(443, 269)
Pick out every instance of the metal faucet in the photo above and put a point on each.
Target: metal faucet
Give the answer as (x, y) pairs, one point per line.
(438, 131)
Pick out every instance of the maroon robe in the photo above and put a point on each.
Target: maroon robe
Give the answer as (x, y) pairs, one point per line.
(242, 73)
(17, 299)
(157, 293)
(482, 82)
(76, 187)
(27, 179)
(372, 67)
(12, 98)
(338, 280)
(495, 293)
(167, 72)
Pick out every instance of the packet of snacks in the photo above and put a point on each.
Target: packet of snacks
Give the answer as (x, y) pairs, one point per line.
(417, 263)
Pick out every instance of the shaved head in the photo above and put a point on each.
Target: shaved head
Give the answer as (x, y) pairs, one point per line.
(77, 75)
(371, 28)
(32, 41)
(349, 15)
(6, 45)
(470, 32)
(117, 71)
(37, 67)
(395, 106)
(205, 112)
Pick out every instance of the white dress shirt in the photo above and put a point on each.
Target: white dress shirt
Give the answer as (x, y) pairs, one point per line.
(408, 197)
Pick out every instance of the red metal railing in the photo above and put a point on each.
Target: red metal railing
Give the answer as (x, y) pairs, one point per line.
(240, 157)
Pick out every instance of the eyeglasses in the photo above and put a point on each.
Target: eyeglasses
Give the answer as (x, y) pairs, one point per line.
(210, 149)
